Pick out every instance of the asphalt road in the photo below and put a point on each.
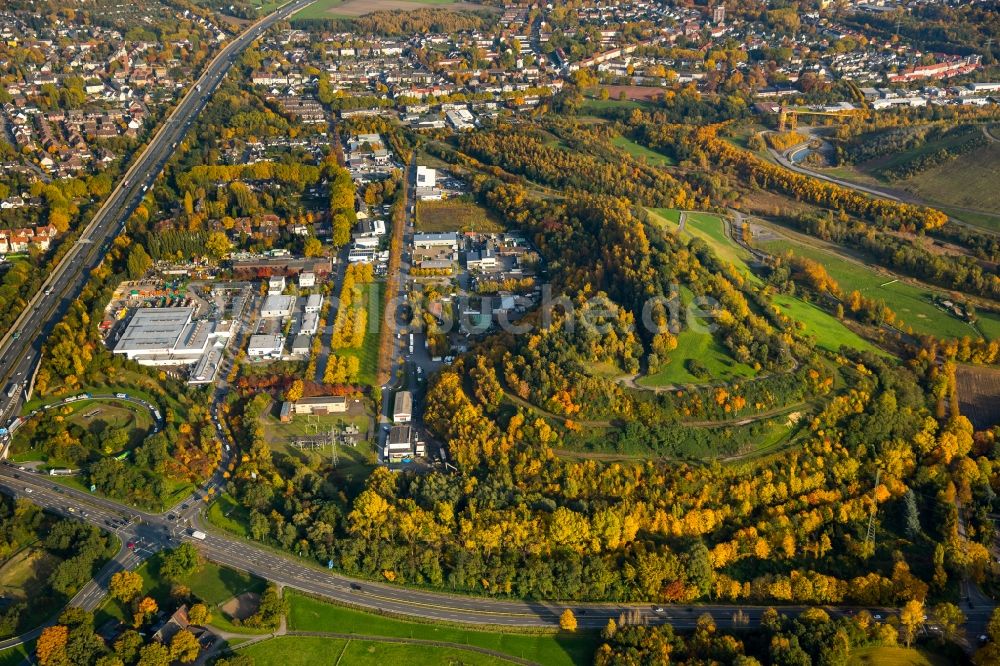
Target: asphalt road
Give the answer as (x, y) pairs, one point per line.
(153, 532)
(20, 347)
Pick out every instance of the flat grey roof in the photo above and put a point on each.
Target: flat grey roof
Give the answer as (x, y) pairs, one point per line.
(155, 328)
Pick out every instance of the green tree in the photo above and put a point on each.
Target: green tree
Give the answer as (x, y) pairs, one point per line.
(154, 654)
(138, 262)
(180, 562)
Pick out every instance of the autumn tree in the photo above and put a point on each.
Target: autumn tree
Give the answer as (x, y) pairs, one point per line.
(950, 618)
(125, 586)
(218, 246)
(184, 647)
(154, 654)
(911, 618)
(143, 610)
(294, 392)
(51, 646)
(199, 614)
(312, 247)
(567, 621)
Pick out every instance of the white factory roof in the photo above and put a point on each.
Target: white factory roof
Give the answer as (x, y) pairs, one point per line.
(157, 330)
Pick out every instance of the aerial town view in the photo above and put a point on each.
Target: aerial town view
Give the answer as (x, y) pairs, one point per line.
(467, 332)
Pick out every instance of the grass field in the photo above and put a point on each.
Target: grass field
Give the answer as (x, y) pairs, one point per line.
(16, 655)
(212, 584)
(226, 514)
(308, 614)
(327, 9)
(95, 416)
(309, 650)
(709, 228)
(704, 348)
(912, 304)
(828, 332)
(894, 656)
(455, 215)
(641, 152)
(367, 354)
(26, 573)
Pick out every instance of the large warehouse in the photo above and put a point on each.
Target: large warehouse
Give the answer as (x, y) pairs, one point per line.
(166, 336)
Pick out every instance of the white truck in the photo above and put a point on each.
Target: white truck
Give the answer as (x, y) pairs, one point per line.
(198, 534)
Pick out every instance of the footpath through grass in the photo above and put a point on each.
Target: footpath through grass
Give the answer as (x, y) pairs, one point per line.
(309, 614)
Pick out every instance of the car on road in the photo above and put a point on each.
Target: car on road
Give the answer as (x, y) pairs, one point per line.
(28, 490)
(131, 545)
(658, 609)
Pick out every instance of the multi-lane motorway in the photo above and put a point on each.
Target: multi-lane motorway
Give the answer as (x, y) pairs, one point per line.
(20, 347)
(157, 531)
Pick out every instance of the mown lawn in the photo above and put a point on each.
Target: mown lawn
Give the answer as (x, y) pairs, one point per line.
(310, 650)
(912, 304)
(641, 152)
(704, 348)
(308, 614)
(827, 330)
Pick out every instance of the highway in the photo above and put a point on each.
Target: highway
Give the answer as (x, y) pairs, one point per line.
(20, 347)
(153, 532)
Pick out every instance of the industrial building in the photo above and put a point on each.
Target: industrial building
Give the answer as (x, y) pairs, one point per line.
(314, 303)
(322, 404)
(401, 444)
(277, 306)
(445, 239)
(168, 336)
(402, 409)
(265, 346)
(276, 284)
